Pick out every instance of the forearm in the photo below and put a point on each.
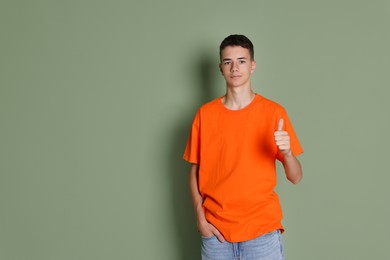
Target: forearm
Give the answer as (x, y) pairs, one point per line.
(197, 199)
(293, 168)
(204, 227)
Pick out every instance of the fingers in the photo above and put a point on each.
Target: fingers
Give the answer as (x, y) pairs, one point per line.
(209, 230)
(280, 124)
(218, 235)
(282, 139)
(284, 147)
(205, 230)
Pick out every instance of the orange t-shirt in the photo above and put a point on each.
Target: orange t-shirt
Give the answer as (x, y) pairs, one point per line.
(236, 153)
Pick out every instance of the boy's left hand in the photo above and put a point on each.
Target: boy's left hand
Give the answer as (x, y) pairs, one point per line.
(282, 139)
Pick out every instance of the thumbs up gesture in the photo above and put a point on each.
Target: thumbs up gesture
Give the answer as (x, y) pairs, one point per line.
(282, 139)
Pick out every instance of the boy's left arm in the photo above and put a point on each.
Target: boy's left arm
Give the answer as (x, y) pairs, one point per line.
(292, 166)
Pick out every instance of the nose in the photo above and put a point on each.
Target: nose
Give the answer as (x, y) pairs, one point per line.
(234, 66)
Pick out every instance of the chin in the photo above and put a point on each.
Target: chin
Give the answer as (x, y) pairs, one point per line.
(236, 84)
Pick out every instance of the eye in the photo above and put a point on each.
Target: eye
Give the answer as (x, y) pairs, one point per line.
(227, 62)
(242, 61)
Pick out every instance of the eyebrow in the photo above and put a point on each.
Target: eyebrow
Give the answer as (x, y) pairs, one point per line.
(241, 58)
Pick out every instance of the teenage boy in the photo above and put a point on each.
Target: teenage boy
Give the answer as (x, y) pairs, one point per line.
(234, 142)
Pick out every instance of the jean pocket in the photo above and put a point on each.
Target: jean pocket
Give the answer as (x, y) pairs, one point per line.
(207, 237)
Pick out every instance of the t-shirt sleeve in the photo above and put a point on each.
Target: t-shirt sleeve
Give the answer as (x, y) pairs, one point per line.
(295, 145)
(192, 152)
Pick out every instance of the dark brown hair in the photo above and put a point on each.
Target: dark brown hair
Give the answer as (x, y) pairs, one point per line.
(237, 40)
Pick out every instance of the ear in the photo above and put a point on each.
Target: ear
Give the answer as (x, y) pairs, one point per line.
(220, 68)
(253, 66)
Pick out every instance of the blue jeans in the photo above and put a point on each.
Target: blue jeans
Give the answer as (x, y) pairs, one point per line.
(266, 247)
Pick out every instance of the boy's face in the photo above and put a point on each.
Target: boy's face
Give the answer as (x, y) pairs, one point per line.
(236, 66)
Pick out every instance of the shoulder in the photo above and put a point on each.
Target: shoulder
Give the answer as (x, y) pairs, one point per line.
(207, 110)
(210, 106)
(270, 105)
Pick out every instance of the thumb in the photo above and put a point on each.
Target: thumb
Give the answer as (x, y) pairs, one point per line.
(280, 124)
(219, 236)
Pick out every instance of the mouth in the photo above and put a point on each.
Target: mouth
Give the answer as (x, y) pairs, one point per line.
(235, 76)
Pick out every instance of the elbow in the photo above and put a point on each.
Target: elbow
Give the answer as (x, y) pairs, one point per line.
(295, 180)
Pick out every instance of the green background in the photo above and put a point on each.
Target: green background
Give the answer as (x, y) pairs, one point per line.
(96, 102)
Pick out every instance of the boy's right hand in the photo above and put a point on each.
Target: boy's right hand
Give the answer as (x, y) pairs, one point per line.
(207, 230)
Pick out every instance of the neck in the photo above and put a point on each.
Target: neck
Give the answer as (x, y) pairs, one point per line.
(237, 98)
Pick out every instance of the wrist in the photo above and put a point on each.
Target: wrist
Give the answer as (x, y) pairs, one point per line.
(198, 208)
(288, 154)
